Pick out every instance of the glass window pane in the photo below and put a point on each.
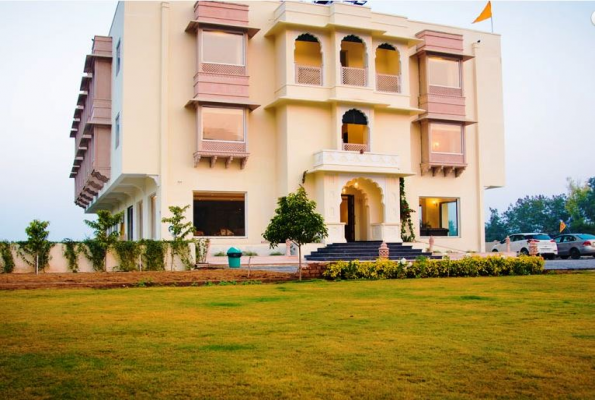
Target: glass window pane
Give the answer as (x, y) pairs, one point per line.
(222, 48)
(223, 124)
(439, 216)
(444, 72)
(446, 138)
(219, 214)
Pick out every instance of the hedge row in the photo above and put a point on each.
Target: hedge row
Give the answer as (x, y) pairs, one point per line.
(424, 267)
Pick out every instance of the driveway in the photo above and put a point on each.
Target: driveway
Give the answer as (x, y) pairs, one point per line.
(582, 263)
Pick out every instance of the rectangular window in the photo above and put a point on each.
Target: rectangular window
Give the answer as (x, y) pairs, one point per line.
(446, 138)
(225, 124)
(438, 216)
(118, 58)
(219, 214)
(222, 48)
(444, 72)
(117, 131)
(130, 223)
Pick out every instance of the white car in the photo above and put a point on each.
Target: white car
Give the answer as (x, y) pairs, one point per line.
(519, 243)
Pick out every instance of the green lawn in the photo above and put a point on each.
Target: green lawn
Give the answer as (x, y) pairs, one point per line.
(508, 337)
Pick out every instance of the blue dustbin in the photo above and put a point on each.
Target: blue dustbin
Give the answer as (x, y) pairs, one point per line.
(233, 257)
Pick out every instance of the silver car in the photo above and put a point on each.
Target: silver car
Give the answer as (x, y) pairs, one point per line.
(575, 245)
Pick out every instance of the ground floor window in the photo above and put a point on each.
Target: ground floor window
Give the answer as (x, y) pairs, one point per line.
(438, 216)
(219, 214)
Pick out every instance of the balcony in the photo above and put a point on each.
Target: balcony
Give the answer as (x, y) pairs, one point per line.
(388, 83)
(359, 147)
(354, 161)
(308, 75)
(222, 69)
(227, 151)
(354, 76)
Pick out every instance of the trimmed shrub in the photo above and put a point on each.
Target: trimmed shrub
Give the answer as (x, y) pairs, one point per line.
(71, 251)
(128, 253)
(6, 257)
(154, 255)
(424, 267)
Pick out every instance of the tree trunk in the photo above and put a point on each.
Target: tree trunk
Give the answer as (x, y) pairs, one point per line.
(173, 254)
(36, 264)
(300, 261)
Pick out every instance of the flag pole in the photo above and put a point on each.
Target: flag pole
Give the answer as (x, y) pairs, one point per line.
(492, 18)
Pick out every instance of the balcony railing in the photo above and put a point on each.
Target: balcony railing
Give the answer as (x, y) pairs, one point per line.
(228, 151)
(337, 160)
(223, 69)
(308, 75)
(361, 147)
(354, 76)
(388, 83)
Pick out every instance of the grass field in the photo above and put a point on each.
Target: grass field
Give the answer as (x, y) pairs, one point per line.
(509, 337)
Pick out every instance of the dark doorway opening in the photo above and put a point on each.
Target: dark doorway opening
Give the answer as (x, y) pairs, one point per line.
(348, 204)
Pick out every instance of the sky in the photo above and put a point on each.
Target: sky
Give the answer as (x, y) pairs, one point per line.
(548, 59)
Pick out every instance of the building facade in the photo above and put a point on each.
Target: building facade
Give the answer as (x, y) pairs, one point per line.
(227, 106)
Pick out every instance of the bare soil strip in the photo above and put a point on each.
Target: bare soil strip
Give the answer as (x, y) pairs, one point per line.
(101, 280)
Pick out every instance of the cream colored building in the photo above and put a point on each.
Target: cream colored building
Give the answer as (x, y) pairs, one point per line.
(228, 106)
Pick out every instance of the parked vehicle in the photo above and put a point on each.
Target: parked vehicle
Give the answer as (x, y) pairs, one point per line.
(575, 245)
(519, 243)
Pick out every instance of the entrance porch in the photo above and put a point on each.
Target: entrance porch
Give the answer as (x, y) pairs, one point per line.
(358, 207)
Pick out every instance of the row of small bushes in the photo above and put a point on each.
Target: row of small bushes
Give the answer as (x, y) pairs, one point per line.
(146, 255)
(424, 267)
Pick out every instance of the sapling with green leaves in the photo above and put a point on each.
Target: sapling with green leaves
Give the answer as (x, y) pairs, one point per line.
(36, 250)
(179, 229)
(296, 219)
(104, 239)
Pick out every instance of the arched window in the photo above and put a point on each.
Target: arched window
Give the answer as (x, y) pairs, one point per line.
(308, 60)
(388, 69)
(354, 62)
(354, 131)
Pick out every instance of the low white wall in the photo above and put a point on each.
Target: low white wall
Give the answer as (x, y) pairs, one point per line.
(59, 264)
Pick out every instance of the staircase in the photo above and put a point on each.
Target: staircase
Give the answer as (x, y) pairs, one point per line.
(364, 251)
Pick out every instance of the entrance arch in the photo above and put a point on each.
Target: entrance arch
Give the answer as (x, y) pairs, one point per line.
(361, 209)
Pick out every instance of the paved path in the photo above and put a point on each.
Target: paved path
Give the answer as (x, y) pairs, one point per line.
(582, 263)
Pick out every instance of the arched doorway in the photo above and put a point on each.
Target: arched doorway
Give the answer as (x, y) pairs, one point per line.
(308, 60)
(388, 69)
(354, 61)
(354, 131)
(361, 207)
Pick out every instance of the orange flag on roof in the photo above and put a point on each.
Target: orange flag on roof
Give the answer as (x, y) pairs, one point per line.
(562, 225)
(485, 14)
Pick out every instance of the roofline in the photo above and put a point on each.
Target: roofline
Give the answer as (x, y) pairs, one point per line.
(454, 27)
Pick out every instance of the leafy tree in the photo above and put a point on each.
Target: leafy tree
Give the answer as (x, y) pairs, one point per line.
(296, 219)
(179, 230)
(536, 214)
(104, 239)
(37, 245)
(496, 227)
(581, 206)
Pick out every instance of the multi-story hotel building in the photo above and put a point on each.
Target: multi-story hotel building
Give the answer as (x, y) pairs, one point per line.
(228, 106)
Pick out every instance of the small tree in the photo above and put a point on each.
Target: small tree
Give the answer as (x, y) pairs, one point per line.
(37, 245)
(105, 240)
(296, 219)
(179, 230)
